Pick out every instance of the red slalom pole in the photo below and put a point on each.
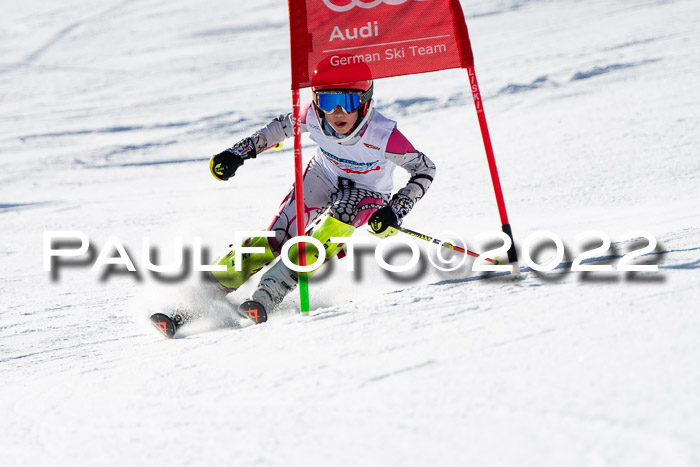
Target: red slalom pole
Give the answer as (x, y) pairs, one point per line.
(300, 206)
(505, 225)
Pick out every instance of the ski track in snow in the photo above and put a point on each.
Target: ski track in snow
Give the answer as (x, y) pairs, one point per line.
(108, 116)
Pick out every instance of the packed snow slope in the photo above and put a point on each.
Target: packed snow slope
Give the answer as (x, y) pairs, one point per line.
(109, 112)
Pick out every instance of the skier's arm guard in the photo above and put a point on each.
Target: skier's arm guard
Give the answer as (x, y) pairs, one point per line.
(279, 129)
(422, 171)
(385, 221)
(224, 165)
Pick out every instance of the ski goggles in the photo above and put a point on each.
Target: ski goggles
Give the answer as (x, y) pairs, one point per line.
(329, 100)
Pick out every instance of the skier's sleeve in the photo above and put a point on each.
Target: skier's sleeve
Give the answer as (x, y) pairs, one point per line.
(224, 165)
(402, 153)
(279, 129)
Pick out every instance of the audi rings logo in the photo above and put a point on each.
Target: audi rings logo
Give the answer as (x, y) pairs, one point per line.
(350, 4)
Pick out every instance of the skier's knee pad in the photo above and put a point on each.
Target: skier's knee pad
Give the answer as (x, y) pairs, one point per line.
(329, 227)
(250, 263)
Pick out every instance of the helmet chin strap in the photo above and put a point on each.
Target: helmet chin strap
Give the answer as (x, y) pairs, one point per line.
(358, 127)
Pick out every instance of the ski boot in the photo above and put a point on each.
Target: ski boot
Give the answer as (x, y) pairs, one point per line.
(279, 280)
(275, 284)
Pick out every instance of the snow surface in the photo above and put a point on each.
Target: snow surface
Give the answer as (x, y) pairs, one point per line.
(109, 112)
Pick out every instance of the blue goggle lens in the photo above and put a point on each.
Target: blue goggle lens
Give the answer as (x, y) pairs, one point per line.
(346, 101)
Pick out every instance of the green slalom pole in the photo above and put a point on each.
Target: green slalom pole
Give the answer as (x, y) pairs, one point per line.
(304, 292)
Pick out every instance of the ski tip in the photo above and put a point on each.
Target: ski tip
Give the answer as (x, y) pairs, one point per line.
(164, 324)
(253, 310)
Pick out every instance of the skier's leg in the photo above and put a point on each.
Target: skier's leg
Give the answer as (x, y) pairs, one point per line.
(250, 264)
(351, 207)
(279, 280)
(317, 194)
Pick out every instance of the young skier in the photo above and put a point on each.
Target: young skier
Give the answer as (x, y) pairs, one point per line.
(349, 180)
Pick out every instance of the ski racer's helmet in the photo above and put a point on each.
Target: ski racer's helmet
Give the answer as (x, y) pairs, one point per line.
(345, 82)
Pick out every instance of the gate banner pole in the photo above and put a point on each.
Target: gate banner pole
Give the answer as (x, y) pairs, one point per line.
(505, 225)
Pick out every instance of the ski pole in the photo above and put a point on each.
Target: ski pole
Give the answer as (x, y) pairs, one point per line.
(443, 243)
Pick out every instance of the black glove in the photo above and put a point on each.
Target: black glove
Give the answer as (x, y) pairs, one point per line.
(385, 221)
(224, 165)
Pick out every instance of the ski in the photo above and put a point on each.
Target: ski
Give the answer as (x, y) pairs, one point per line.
(253, 310)
(164, 324)
(169, 325)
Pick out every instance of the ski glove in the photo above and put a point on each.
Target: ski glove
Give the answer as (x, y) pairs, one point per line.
(224, 165)
(384, 221)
